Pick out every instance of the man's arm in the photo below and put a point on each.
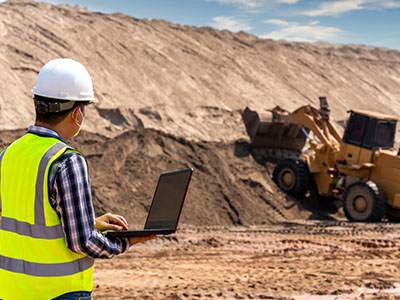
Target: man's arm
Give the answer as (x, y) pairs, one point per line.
(71, 198)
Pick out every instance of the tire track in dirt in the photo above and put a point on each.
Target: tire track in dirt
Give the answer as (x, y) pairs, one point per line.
(260, 262)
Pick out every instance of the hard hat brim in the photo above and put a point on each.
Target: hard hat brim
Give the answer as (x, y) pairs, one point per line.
(91, 100)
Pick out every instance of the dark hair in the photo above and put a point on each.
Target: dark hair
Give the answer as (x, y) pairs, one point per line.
(53, 118)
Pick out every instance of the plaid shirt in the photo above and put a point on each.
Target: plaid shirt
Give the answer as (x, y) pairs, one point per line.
(70, 196)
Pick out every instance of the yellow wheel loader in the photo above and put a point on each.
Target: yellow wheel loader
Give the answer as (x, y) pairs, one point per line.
(361, 169)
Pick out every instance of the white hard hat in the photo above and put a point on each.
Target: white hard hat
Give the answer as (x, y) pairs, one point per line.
(64, 79)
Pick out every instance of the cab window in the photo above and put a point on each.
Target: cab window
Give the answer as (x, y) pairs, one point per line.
(356, 130)
(385, 133)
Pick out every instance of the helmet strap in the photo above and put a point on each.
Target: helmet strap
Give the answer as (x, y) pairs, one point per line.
(52, 107)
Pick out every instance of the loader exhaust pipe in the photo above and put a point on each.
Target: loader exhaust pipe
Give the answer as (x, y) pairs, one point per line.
(324, 112)
(324, 108)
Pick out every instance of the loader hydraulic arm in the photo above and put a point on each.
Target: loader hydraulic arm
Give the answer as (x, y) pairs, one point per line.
(316, 121)
(280, 130)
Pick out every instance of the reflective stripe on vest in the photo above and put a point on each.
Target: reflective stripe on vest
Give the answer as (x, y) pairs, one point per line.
(45, 270)
(39, 210)
(73, 270)
(1, 158)
(32, 230)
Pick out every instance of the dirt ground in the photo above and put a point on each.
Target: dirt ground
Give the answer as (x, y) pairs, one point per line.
(293, 260)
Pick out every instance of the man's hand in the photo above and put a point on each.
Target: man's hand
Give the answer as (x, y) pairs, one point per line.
(111, 222)
(138, 239)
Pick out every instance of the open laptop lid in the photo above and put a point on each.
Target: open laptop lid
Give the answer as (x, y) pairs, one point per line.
(168, 199)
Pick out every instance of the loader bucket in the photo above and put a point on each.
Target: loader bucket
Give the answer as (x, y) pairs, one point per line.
(267, 130)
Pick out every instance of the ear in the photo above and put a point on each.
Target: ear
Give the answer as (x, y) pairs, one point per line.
(75, 113)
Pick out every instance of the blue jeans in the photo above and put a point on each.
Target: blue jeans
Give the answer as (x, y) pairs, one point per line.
(75, 296)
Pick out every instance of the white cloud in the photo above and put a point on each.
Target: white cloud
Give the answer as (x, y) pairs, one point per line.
(277, 22)
(254, 5)
(288, 1)
(335, 8)
(301, 32)
(249, 4)
(392, 4)
(230, 23)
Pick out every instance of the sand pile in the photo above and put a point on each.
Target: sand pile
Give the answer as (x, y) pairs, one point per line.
(228, 186)
(183, 80)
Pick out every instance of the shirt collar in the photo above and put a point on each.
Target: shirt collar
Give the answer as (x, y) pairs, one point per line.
(45, 132)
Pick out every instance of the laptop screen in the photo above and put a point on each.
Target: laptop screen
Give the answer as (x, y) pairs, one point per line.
(168, 200)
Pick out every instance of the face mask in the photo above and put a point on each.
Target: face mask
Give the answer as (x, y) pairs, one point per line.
(79, 125)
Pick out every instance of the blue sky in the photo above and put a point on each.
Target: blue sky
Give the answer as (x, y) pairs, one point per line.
(368, 22)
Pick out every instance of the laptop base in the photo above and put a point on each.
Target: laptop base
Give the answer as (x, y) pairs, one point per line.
(144, 232)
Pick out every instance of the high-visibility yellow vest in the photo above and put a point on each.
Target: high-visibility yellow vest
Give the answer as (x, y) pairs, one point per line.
(34, 261)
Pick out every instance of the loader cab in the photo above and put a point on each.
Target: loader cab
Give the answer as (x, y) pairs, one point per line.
(365, 133)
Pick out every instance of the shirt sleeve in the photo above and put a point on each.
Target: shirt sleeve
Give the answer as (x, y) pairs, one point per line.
(70, 196)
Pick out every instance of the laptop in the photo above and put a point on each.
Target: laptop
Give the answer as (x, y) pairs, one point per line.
(166, 207)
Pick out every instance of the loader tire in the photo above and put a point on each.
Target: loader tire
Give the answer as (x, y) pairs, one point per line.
(364, 201)
(292, 176)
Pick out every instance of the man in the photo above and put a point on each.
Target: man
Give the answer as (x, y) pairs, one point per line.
(49, 235)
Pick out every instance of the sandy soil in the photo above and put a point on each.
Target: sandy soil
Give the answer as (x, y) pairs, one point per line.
(292, 260)
(183, 80)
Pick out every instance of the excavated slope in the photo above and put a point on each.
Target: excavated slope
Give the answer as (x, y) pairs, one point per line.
(184, 80)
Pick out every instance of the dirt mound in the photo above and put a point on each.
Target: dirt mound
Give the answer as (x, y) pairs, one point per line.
(184, 80)
(228, 185)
